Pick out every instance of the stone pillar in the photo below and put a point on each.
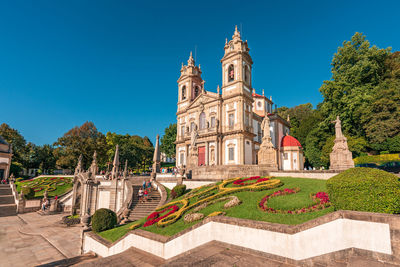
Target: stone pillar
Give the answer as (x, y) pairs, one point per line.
(156, 158)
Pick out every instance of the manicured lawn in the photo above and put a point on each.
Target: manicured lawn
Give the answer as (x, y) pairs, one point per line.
(118, 232)
(249, 208)
(54, 185)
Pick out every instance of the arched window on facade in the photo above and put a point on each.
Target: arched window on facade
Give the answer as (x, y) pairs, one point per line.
(196, 91)
(202, 121)
(231, 73)
(247, 75)
(183, 92)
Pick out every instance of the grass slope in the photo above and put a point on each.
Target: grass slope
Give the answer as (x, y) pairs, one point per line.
(249, 208)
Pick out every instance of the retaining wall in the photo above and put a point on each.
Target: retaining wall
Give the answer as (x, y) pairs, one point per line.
(375, 235)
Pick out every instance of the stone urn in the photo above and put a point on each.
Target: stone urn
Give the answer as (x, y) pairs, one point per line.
(125, 215)
(85, 220)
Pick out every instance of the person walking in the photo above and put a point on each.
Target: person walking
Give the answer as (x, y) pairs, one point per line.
(140, 195)
(146, 194)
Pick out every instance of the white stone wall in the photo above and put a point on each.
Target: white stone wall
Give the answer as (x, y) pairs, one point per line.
(309, 175)
(330, 237)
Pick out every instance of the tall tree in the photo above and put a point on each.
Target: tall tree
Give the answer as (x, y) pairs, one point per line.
(137, 150)
(168, 141)
(80, 140)
(357, 68)
(14, 138)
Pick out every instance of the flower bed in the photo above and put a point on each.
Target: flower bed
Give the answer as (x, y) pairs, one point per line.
(242, 181)
(194, 200)
(320, 201)
(53, 185)
(155, 216)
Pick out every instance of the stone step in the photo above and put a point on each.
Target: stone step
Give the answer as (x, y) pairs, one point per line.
(5, 191)
(7, 199)
(8, 210)
(4, 186)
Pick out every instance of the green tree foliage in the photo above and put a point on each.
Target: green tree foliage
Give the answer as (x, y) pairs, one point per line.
(80, 140)
(303, 119)
(137, 150)
(365, 92)
(14, 138)
(357, 68)
(167, 140)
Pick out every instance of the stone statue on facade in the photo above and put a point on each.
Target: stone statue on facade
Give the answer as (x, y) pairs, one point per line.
(193, 156)
(341, 157)
(267, 155)
(193, 138)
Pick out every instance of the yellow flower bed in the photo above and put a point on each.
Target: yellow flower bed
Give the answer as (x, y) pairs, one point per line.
(215, 213)
(222, 190)
(135, 226)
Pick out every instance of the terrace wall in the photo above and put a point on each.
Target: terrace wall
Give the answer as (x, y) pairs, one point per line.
(338, 234)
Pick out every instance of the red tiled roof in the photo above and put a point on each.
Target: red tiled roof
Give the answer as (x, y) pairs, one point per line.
(257, 95)
(290, 141)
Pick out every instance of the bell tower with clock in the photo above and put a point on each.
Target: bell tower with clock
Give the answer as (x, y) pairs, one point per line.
(190, 83)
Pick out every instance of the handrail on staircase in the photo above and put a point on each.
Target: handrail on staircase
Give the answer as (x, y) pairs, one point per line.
(128, 201)
(163, 193)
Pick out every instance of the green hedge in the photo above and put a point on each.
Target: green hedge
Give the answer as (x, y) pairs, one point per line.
(28, 192)
(178, 190)
(365, 189)
(103, 219)
(379, 159)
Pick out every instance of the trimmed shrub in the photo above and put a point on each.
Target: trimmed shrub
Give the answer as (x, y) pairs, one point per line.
(178, 190)
(28, 192)
(365, 189)
(103, 219)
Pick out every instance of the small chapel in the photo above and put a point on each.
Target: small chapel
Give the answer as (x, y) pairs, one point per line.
(227, 127)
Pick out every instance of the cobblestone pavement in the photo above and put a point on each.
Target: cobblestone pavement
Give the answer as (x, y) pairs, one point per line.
(30, 239)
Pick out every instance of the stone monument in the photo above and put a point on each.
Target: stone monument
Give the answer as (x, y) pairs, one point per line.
(341, 157)
(156, 158)
(267, 155)
(193, 156)
(114, 172)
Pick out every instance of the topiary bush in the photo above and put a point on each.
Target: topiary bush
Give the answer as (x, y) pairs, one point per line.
(103, 219)
(28, 192)
(365, 189)
(178, 190)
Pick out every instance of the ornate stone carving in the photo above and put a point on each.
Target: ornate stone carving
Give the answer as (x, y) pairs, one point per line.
(341, 157)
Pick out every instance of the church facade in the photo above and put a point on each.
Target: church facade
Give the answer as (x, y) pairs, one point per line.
(224, 127)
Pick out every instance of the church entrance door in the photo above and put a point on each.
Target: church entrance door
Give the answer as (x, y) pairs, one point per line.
(202, 156)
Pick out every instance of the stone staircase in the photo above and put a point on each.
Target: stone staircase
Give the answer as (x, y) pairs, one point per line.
(7, 203)
(140, 210)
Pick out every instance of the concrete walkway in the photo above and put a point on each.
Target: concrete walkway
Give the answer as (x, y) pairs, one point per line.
(31, 239)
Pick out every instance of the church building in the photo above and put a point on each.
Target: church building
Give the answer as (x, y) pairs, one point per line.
(225, 127)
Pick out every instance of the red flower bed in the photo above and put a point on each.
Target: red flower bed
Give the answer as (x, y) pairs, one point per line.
(155, 216)
(242, 181)
(321, 201)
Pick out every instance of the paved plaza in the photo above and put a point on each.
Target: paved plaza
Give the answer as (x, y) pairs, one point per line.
(31, 239)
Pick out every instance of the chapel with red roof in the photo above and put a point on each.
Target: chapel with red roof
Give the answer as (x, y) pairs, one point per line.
(224, 127)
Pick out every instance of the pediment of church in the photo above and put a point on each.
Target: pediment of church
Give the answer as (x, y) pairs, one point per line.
(202, 99)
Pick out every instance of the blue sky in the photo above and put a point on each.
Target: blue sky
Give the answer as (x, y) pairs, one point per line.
(116, 63)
